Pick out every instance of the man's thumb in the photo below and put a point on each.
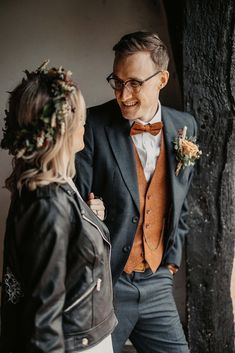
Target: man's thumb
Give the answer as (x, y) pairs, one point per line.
(91, 196)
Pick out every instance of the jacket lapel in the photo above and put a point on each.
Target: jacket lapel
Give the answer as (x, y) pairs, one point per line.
(121, 145)
(176, 182)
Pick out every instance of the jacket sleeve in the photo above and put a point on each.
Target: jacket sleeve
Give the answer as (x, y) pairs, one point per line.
(175, 254)
(43, 233)
(84, 164)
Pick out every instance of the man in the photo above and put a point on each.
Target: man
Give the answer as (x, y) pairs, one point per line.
(132, 165)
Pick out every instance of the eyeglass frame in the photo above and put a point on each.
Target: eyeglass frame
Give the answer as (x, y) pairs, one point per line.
(124, 83)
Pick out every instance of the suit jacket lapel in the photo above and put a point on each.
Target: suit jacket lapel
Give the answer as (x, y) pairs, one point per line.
(170, 132)
(121, 145)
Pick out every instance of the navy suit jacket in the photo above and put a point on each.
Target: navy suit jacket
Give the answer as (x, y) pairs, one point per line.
(107, 168)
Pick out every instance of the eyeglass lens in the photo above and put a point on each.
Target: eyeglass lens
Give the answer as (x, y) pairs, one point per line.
(118, 85)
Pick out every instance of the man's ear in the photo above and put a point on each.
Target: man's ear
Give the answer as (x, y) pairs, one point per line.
(164, 78)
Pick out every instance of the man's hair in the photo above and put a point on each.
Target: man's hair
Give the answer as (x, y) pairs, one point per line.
(143, 41)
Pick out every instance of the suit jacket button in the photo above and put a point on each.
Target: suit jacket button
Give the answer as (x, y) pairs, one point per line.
(126, 248)
(135, 219)
(171, 242)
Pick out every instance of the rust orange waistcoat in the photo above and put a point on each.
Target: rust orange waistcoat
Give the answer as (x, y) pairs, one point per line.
(148, 243)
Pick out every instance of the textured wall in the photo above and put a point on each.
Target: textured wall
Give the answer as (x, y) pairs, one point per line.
(209, 88)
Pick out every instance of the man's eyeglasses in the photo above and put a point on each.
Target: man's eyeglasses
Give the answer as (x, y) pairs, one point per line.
(132, 85)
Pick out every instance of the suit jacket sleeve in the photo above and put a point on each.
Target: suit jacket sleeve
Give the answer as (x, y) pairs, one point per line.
(84, 164)
(174, 256)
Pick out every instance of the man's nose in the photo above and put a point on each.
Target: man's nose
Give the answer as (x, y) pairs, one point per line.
(125, 93)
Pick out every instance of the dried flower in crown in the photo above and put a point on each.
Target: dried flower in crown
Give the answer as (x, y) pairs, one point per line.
(187, 151)
(25, 141)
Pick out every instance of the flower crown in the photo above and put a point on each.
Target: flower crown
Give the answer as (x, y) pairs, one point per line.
(24, 141)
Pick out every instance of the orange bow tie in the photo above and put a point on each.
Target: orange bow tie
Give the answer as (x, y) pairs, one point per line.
(153, 129)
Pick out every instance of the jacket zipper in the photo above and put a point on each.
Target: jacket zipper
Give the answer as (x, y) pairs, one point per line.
(97, 284)
(95, 225)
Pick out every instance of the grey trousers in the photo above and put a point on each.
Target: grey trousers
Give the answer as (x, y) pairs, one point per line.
(147, 314)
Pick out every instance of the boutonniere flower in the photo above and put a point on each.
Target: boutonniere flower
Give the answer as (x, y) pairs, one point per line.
(187, 151)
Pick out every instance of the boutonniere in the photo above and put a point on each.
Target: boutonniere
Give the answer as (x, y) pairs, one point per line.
(187, 151)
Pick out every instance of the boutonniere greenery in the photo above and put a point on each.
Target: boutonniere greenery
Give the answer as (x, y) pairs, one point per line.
(187, 151)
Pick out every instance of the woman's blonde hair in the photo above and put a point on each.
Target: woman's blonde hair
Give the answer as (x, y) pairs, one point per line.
(50, 106)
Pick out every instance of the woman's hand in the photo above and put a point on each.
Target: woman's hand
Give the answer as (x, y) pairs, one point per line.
(96, 205)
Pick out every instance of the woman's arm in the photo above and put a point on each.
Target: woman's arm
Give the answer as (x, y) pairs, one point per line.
(42, 234)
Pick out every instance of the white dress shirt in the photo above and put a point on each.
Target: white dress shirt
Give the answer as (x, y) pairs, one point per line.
(148, 146)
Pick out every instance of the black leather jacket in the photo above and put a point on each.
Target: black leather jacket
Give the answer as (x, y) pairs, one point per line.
(57, 290)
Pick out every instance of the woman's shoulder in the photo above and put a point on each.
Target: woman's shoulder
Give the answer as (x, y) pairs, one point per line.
(55, 199)
(50, 191)
(47, 197)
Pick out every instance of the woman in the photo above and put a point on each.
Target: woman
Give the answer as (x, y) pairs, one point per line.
(57, 290)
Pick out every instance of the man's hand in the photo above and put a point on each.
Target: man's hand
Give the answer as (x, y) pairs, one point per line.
(172, 268)
(96, 205)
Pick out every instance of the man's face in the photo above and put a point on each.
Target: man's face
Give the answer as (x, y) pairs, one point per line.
(143, 104)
